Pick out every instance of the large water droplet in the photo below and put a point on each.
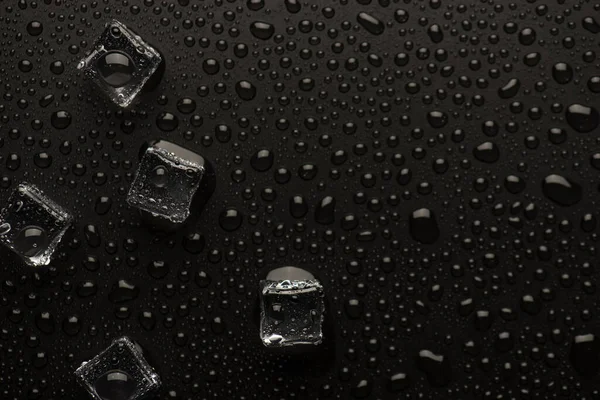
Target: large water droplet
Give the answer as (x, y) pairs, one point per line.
(398, 382)
(527, 36)
(115, 385)
(31, 241)
(167, 121)
(262, 160)
(423, 226)
(45, 322)
(562, 190)
(262, 30)
(230, 219)
(245, 90)
(255, 5)
(116, 68)
(487, 152)
(293, 6)
(437, 119)
(194, 242)
(585, 354)
(298, 207)
(437, 367)
(562, 73)
(60, 119)
(158, 269)
(325, 211)
(370, 23)
(582, 118)
(123, 291)
(435, 33)
(35, 28)
(590, 24)
(510, 89)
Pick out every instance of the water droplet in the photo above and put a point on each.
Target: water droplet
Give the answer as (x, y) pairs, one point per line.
(582, 118)
(255, 5)
(158, 269)
(562, 73)
(372, 24)
(293, 6)
(103, 205)
(60, 119)
(245, 90)
(167, 122)
(401, 16)
(116, 68)
(35, 28)
(585, 354)
(423, 226)
(211, 66)
(262, 160)
(437, 367)
(45, 322)
(398, 382)
(325, 211)
(115, 385)
(194, 243)
(42, 160)
(435, 33)
(87, 289)
(510, 89)
(92, 235)
(487, 152)
(262, 30)
(437, 119)
(31, 240)
(527, 36)
(590, 24)
(72, 325)
(147, 320)
(562, 190)
(298, 207)
(202, 279)
(230, 219)
(123, 291)
(186, 105)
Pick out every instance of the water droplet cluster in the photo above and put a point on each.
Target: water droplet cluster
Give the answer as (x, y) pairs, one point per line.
(435, 164)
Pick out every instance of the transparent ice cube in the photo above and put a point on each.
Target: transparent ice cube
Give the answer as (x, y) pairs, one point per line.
(166, 181)
(121, 63)
(32, 225)
(118, 373)
(292, 312)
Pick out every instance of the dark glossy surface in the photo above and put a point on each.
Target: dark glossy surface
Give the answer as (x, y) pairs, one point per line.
(435, 164)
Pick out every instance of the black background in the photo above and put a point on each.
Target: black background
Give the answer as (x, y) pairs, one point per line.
(324, 83)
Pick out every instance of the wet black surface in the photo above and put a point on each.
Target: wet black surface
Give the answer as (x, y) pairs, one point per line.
(435, 164)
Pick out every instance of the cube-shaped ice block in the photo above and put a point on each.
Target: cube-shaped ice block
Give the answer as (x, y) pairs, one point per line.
(292, 312)
(166, 181)
(119, 373)
(32, 225)
(121, 63)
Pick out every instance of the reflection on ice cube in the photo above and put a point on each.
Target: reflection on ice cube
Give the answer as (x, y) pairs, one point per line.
(120, 372)
(166, 181)
(32, 225)
(121, 63)
(292, 308)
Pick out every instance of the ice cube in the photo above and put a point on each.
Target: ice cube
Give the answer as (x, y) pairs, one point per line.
(292, 308)
(32, 225)
(121, 63)
(166, 181)
(120, 372)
